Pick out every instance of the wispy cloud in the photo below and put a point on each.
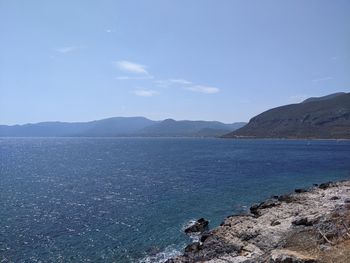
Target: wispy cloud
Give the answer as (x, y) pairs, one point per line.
(109, 30)
(133, 77)
(123, 78)
(139, 72)
(203, 89)
(161, 83)
(187, 85)
(68, 49)
(180, 81)
(322, 79)
(131, 67)
(172, 82)
(145, 92)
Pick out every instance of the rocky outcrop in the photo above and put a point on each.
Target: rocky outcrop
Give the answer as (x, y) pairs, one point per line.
(306, 226)
(198, 226)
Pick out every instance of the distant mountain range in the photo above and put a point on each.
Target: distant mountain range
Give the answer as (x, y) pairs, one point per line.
(170, 127)
(325, 117)
(121, 127)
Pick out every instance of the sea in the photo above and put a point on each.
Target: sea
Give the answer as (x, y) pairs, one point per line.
(129, 199)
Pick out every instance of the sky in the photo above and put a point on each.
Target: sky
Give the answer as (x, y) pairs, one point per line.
(227, 60)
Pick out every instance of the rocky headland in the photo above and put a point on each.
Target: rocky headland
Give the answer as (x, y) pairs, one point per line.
(326, 117)
(309, 225)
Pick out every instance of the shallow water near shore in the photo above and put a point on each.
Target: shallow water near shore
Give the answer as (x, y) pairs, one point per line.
(127, 199)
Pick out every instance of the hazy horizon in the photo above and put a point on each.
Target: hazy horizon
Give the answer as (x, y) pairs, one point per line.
(159, 120)
(119, 117)
(108, 117)
(225, 61)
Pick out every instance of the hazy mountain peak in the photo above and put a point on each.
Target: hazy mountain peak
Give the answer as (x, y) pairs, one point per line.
(169, 120)
(327, 97)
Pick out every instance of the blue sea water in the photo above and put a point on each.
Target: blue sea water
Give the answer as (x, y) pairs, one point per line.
(127, 199)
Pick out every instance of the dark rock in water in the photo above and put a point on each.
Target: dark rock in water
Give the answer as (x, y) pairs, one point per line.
(334, 198)
(199, 226)
(326, 185)
(192, 248)
(300, 190)
(347, 201)
(303, 222)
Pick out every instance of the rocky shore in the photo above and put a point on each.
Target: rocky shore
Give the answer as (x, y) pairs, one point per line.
(309, 225)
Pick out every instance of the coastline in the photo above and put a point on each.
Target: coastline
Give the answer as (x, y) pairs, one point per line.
(309, 225)
(285, 139)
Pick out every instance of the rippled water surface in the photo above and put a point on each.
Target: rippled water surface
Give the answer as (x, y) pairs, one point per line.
(125, 200)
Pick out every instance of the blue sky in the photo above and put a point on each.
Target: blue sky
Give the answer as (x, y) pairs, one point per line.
(183, 59)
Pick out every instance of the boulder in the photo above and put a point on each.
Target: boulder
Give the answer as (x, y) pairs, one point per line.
(326, 185)
(255, 209)
(288, 198)
(275, 223)
(199, 226)
(304, 221)
(204, 236)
